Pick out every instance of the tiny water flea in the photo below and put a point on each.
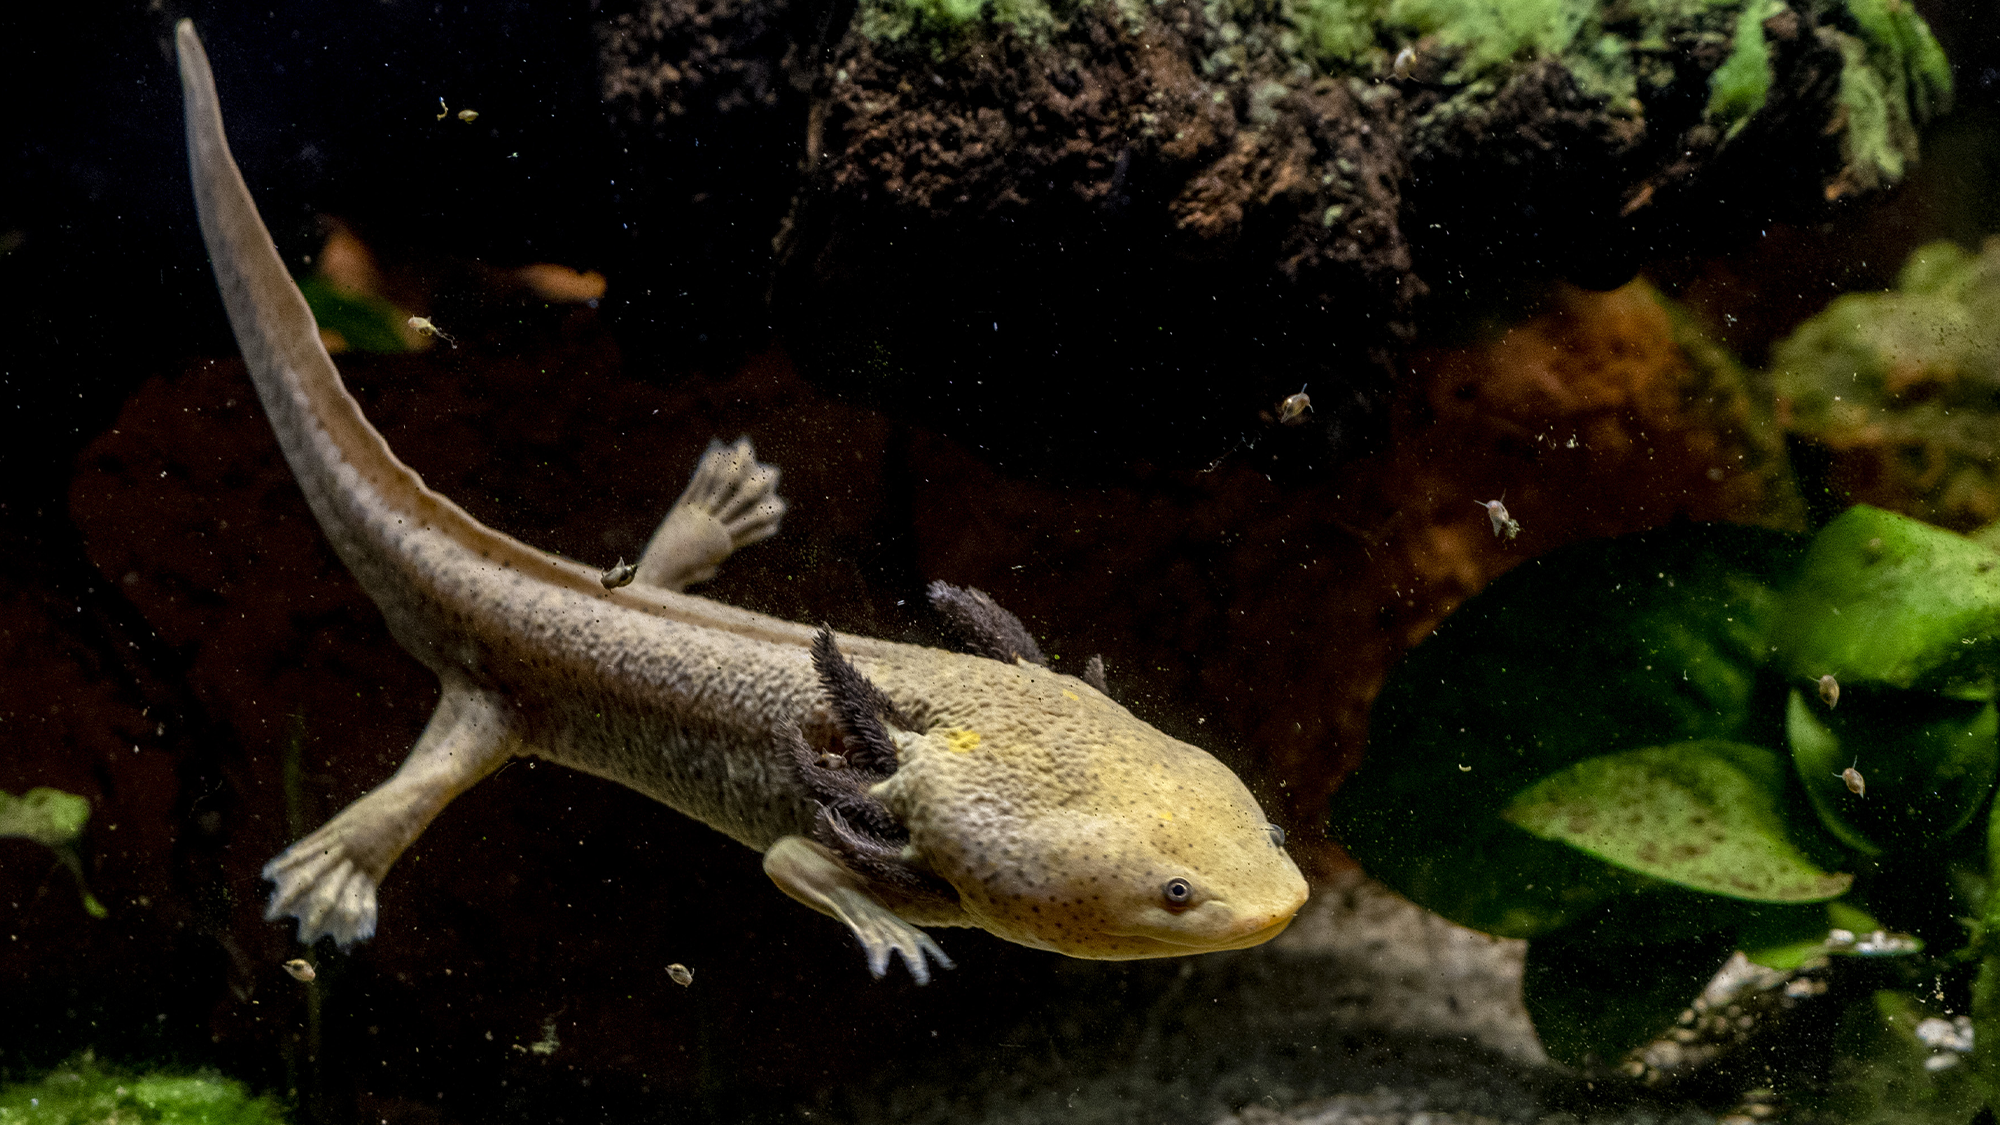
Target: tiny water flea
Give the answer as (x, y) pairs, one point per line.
(620, 575)
(301, 969)
(1856, 784)
(680, 974)
(1503, 524)
(424, 327)
(1829, 691)
(1293, 409)
(468, 115)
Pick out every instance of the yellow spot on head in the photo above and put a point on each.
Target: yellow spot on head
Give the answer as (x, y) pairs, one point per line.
(961, 741)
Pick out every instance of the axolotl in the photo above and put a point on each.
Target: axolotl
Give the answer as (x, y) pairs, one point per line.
(888, 785)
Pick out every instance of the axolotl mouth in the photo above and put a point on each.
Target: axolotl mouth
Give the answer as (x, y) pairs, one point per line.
(1143, 941)
(1173, 942)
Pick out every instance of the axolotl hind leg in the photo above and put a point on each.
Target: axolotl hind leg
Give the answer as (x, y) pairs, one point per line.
(327, 880)
(813, 874)
(731, 502)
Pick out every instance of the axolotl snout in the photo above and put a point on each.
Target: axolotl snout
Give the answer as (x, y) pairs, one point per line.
(1065, 823)
(888, 785)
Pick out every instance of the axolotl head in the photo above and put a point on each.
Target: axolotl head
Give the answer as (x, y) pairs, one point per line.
(1066, 824)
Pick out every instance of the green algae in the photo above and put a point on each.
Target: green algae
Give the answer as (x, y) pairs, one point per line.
(1894, 75)
(85, 1092)
(1896, 78)
(1737, 89)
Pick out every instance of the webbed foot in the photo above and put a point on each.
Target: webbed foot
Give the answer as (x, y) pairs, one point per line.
(731, 502)
(810, 872)
(328, 880)
(320, 883)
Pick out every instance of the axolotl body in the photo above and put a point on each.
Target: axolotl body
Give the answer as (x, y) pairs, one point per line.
(888, 785)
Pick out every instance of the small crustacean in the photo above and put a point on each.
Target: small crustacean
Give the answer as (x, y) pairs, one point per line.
(1293, 409)
(1856, 784)
(1503, 524)
(1405, 64)
(832, 761)
(1829, 691)
(301, 969)
(468, 115)
(620, 575)
(680, 974)
(424, 327)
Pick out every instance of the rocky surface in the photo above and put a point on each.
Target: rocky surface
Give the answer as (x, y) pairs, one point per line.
(1057, 203)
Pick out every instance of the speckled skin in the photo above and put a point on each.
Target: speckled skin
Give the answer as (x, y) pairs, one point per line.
(1054, 814)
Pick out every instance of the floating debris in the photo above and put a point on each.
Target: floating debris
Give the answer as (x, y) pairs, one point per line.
(443, 110)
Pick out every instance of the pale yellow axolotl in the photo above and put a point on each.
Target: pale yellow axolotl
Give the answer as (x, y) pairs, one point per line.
(888, 785)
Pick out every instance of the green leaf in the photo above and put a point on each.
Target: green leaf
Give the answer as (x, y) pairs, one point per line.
(1592, 1000)
(46, 816)
(366, 322)
(1926, 764)
(1884, 599)
(1605, 645)
(1702, 815)
(55, 819)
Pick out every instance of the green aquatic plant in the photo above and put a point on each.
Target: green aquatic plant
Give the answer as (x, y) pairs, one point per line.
(55, 820)
(362, 322)
(1899, 390)
(86, 1092)
(1646, 753)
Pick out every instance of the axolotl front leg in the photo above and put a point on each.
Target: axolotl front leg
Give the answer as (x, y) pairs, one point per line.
(328, 880)
(814, 874)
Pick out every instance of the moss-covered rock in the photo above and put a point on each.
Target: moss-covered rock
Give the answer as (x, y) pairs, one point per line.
(85, 1092)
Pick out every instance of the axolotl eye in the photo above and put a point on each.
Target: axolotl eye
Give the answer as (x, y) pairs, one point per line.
(1277, 835)
(1178, 893)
